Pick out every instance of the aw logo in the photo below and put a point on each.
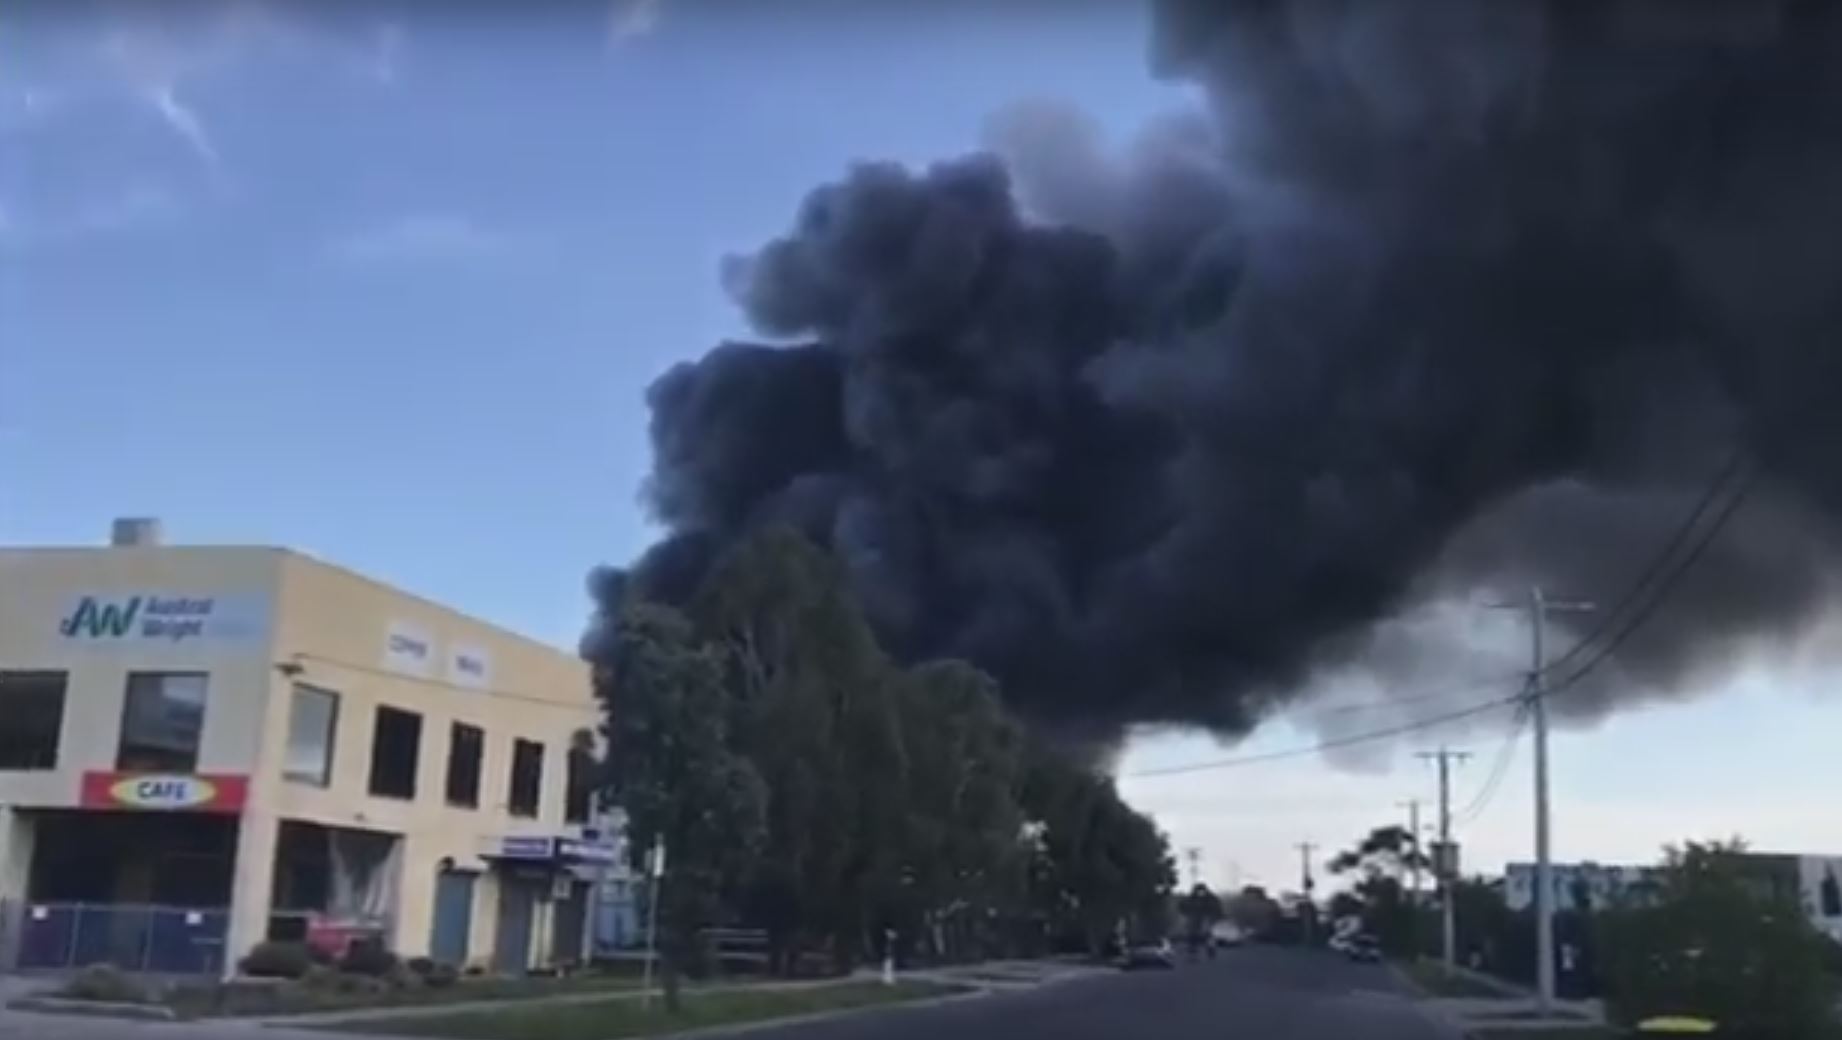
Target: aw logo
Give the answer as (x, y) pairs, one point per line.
(101, 619)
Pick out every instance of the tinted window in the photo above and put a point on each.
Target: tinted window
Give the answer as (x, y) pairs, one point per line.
(313, 717)
(465, 746)
(162, 718)
(31, 718)
(527, 778)
(396, 745)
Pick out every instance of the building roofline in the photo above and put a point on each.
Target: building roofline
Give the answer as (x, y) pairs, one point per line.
(309, 558)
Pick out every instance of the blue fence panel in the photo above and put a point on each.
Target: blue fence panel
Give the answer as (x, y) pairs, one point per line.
(187, 942)
(158, 939)
(46, 936)
(111, 935)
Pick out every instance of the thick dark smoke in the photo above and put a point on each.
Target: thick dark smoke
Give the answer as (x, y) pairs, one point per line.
(1433, 298)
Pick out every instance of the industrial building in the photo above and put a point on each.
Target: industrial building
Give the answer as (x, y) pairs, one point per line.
(203, 747)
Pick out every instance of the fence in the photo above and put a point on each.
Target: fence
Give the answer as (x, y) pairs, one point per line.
(163, 940)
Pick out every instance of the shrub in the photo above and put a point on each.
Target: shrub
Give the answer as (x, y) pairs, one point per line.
(431, 972)
(277, 960)
(106, 982)
(368, 958)
(320, 977)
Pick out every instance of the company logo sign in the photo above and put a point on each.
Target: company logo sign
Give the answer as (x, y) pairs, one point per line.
(469, 666)
(165, 792)
(408, 648)
(160, 618)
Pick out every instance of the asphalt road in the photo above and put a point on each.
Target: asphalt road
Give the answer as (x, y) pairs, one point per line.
(1259, 993)
(1256, 993)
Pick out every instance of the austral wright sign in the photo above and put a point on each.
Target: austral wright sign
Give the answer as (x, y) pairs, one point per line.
(165, 792)
(162, 617)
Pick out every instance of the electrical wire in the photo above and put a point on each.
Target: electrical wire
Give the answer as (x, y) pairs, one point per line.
(1498, 769)
(1668, 581)
(1428, 722)
(1446, 693)
(1645, 596)
(1737, 465)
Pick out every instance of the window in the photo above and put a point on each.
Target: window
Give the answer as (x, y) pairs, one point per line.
(162, 718)
(31, 718)
(580, 790)
(312, 719)
(465, 746)
(527, 778)
(396, 745)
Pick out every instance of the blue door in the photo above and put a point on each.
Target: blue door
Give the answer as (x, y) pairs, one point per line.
(511, 953)
(453, 917)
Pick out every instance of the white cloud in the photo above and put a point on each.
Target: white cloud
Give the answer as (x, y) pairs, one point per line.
(184, 122)
(420, 238)
(631, 19)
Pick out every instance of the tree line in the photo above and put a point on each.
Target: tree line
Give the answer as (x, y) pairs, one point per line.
(804, 783)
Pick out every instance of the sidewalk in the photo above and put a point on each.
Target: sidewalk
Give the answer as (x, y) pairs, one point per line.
(1513, 1009)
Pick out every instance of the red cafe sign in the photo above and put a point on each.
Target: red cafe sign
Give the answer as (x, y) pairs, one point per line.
(165, 792)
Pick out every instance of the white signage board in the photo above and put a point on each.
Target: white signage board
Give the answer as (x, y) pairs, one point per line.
(469, 666)
(409, 648)
(163, 617)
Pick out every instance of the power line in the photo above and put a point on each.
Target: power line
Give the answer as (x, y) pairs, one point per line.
(1443, 694)
(1499, 768)
(1737, 464)
(1667, 583)
(1658, 579)
(1341, 742)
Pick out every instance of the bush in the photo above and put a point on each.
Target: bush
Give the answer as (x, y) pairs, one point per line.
(433, 973)
(106, 982)
(368, 958)
(277, 960)
(1718, 944)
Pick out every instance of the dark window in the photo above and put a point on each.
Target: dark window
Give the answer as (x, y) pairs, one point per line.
(31, 717)
(527, 778)
(313, 717)
(465, 746)
(162, 718)
(581, 779)
(396, 744)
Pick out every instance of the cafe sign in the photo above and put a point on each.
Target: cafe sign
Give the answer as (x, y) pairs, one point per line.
(165, 792)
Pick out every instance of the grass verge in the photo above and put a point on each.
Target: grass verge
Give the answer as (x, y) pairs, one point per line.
(611, 1019)
(355, 993)
(1431, 976)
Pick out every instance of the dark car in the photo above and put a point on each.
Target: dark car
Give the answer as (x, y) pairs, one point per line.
(1157, 956)
(1363, 949)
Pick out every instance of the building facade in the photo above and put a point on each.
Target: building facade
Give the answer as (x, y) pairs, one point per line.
(1814, 881)
(204, 747)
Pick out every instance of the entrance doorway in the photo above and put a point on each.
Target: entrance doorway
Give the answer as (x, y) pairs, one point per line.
(569, 925)
(517, 906)
(453, 917)
(144, 891)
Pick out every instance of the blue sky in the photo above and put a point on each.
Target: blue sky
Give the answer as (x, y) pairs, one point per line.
(386, 283)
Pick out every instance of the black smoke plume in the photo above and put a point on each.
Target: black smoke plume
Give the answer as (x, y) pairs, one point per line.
(1431, 298)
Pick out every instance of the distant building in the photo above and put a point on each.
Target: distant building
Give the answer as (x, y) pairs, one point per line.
(1576, 886)
(1815, 881)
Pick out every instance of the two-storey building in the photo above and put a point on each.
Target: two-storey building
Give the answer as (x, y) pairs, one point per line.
(203, 747)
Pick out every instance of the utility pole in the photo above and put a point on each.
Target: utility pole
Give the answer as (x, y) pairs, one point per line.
(1412, 805)
(1309, 910)
(1443, 864)
(1194, 855)
(1539, 607)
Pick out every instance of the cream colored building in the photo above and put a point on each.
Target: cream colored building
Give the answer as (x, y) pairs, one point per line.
(201, 747)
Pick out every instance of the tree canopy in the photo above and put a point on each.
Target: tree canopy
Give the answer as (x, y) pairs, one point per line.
(866, 796)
